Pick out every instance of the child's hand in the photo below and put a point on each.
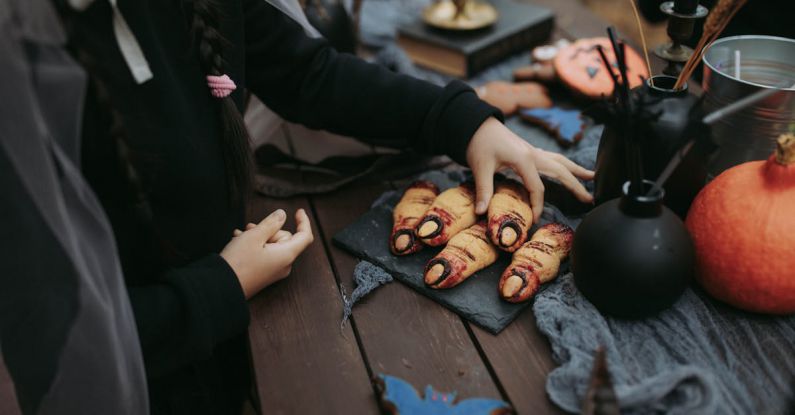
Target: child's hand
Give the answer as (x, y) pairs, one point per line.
(494, 147)
(265, 253)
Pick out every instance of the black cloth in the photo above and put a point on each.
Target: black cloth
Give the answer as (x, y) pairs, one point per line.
(189, 307)
(67, 331)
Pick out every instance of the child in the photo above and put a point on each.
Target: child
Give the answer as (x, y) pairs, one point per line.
(168, 80)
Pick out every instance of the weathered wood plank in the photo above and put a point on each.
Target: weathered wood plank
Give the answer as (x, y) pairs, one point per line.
(520, 356)
(403, 333)
(303, 362)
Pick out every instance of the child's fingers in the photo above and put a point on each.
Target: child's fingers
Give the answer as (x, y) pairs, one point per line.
(303, 234)
(573, 167)
(302, 222)
(484, 185)
(533, 183)
(570, 182)
(269, 226)
(280, 236)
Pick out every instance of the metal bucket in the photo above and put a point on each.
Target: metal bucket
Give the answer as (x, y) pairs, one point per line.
(764, 62)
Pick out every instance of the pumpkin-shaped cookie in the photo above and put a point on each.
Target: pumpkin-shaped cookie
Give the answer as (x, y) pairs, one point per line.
(582, 70)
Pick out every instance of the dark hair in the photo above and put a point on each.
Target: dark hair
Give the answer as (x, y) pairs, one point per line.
(235, 139)
(135, 195)
(236, 142)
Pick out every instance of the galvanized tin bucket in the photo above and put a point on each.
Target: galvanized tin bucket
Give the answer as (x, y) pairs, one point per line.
(735, 67)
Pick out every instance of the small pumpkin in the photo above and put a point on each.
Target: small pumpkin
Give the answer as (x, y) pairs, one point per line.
(743, 229)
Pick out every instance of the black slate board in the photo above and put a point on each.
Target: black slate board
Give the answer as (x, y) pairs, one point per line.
(476, 299)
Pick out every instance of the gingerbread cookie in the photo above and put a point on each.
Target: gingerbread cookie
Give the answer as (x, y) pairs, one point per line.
(581, 69)
(542, 68)
(543, 72)
(509, 97)
(566, 126)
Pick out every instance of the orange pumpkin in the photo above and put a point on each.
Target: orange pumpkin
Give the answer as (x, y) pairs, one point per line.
(743, 229)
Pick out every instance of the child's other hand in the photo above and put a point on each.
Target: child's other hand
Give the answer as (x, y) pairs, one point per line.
(265, 253)
(494, 147)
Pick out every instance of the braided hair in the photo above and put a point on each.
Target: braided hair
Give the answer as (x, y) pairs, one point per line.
(136, 196)
(236, 142)
(235, 139)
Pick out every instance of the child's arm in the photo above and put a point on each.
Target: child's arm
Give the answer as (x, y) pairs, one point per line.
(305, 80)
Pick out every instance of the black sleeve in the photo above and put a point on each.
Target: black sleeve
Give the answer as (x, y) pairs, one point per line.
(306, 81)
(182, 319)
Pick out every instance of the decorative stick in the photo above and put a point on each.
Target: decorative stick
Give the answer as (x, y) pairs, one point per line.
(614, 42)
(642, 40)
(601, 51)
(636, 171)
(717, 20)
(625, 111)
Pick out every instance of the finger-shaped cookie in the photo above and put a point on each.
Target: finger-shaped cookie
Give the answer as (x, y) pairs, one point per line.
(416, 200)
(536, 262)
(451, 212)
(467, 253)
(510, 215)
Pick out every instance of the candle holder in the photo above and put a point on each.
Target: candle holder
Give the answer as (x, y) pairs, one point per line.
(682, 16)
(460, 15)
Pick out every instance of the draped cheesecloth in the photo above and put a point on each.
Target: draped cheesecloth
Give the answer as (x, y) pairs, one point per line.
(67, 331)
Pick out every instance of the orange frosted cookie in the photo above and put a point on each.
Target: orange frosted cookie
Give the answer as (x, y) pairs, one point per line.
(509, 97)
(581, 69)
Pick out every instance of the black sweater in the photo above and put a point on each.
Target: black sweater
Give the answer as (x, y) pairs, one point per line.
(189, 307)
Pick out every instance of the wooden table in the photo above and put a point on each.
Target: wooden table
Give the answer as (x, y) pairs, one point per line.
(305, 363)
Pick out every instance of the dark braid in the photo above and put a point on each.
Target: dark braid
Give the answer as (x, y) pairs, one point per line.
(236, 142)
(136, 196)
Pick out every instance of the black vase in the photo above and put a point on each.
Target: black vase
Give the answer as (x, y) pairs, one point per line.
(631, 256)
(331, 19)
(660, 139)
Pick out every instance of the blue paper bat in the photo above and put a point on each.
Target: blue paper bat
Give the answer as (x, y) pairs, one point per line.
(566, 125)
(400, 398)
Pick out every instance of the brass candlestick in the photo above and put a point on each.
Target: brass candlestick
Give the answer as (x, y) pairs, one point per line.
(460, 15)
(682, 16)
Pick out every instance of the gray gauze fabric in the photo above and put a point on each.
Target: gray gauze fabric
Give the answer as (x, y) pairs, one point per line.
(67, 331)
(367, 277)
(699, 357)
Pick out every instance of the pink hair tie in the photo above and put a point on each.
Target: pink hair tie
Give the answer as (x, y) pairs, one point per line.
(220, 86)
